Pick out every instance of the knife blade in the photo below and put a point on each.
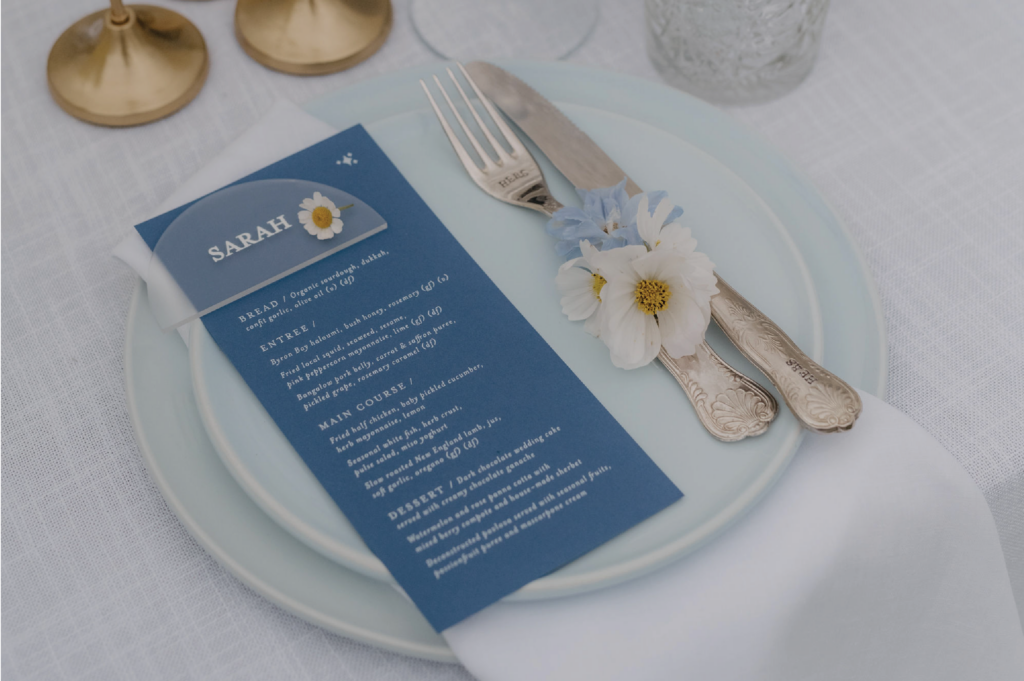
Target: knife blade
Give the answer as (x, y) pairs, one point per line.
(566, 146)
(820, 400)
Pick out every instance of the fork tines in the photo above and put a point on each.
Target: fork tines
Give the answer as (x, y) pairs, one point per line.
(506, 132)
(510, 175)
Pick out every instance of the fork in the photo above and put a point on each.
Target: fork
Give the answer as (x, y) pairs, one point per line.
(729, 405)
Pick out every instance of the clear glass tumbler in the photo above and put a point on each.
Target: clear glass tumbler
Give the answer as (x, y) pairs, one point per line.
(734, 51)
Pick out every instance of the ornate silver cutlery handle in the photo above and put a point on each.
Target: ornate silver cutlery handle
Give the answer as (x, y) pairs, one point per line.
(730, 405)
(820, 400)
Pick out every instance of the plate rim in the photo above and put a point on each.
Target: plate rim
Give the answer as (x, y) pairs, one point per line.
(364, 563)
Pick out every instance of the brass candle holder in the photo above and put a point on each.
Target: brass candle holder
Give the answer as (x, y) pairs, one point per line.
(127, 65)
(310, 37)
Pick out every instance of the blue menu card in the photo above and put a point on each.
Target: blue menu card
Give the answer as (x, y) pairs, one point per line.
(467, 455)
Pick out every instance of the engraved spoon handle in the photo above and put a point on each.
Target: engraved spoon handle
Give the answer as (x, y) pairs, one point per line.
(820, 400)
(730, 405)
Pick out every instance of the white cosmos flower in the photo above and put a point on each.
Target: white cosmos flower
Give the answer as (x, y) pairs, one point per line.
(641, 298)
(320, 216)
(648, 304)
(581, 280)
(698, 272)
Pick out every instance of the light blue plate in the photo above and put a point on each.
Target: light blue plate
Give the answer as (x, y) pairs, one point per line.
(719, 480)
(665, 139)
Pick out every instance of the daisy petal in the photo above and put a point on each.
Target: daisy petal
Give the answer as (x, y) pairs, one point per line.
(682, 326)
(625, 327)
(644, 223)
(637, 343)
(652, 340)
(590, 253)
(594, 322)
(677, 238)
(617, 261)
(569, 264)
(577, 288)
(579, 306)
(661, 265)
(661, 213)
(699, 273)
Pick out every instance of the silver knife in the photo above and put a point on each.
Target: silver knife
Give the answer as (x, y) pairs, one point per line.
(820, 400)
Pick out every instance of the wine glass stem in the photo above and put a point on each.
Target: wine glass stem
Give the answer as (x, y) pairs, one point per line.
(118, 14)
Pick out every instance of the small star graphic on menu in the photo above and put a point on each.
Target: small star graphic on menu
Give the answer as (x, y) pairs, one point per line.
(347, 160)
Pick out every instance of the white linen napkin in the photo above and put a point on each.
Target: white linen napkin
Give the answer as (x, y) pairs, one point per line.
(874, 557)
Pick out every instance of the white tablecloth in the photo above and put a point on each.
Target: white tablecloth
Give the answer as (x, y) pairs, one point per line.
(910, 124)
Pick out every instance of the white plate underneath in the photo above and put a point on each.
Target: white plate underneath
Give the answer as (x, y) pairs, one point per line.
(267, 558)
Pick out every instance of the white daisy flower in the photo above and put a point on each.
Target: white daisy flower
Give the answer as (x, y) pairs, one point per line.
(580, 282)
(648, 304)
(320, 216)
(659, 235)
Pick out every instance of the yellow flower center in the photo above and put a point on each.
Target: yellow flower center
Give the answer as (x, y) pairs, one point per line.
(598, 284)
(652, 296)
(322, 217)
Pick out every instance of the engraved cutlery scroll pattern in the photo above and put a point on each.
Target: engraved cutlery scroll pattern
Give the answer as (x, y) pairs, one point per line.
(738, 408)
(821, 401)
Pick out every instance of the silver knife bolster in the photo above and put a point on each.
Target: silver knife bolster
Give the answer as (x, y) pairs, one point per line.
(820, 400)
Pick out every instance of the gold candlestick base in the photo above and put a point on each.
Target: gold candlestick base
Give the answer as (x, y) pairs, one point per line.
(310, 37)
(127, 66)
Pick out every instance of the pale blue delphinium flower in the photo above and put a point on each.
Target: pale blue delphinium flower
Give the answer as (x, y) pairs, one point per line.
(607, 220)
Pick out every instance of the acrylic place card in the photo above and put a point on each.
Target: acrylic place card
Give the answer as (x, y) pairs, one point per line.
(467, 455)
